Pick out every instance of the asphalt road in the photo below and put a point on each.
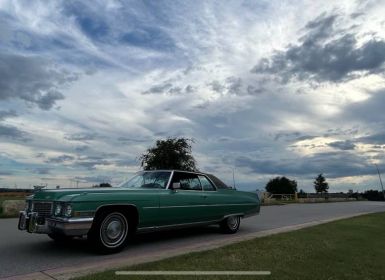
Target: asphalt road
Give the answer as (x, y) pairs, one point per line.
(23, 253)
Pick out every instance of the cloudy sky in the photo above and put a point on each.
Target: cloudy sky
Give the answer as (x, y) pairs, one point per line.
(267, 88)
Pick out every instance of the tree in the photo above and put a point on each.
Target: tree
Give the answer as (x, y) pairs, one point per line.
(350, 193)
(302, 194)
(373, 195)
(172, 153)
(320, 184)
(102, 185)
(281, 185)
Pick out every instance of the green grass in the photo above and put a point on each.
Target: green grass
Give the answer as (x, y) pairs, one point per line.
(284, 202)
(347, 249)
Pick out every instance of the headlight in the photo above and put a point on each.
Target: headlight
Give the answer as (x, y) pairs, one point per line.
(68, 210)
(58, 208)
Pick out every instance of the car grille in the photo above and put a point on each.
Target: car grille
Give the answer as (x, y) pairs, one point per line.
(43, 209)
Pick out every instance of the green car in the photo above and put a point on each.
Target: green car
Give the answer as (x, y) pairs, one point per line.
(150, 201)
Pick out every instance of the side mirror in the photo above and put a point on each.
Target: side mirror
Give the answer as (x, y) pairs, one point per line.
(175, 186)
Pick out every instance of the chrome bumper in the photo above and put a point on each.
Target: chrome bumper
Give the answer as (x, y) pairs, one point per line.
(66, 226)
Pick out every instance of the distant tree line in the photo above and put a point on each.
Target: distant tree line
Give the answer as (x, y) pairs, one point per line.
(4, 190)
(283, 185)
(373, 195)
(103, 185)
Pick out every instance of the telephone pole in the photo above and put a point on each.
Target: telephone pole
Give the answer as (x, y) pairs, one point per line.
(382, 186)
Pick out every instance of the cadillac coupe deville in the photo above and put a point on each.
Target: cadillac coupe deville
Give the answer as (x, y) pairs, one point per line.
(151, 200)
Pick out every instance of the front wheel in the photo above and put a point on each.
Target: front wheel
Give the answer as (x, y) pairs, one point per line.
(109, 232)
(230, 224)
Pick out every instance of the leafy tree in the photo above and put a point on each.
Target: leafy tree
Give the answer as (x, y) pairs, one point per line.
(350, 193)
(172, 153)
(302, 194)
(102, 185)
(320, 184)
(281, 185)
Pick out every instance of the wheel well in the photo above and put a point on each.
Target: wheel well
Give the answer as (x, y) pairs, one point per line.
(129, 211)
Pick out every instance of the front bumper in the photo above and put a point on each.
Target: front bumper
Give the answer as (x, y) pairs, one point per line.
(66, 226)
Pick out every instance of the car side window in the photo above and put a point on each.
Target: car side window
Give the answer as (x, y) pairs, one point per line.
(162, 180)
(148, 180)
(188, 181)
(206, 184)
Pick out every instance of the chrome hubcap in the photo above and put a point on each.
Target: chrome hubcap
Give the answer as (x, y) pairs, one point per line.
(233, 222)
(113, 230)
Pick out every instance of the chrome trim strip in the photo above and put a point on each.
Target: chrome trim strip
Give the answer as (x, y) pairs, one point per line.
(196, 173)
(183, 190)
(154, 228)
(69, 227)
(22, 224)
(71, 220)
(120, 204)
(117, 204)
(179, 225)
(234, 214)
(169, 180)
(212, 183)
(200, 205)
(37, 205)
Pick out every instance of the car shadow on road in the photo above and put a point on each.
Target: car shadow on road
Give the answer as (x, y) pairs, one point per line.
(81, 247)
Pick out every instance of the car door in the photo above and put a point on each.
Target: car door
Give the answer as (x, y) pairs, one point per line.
(214, 200)
(184, 205)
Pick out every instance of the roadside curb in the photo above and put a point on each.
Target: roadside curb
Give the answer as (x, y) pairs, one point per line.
(68, 272)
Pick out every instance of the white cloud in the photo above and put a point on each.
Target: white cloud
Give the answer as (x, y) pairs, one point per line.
(152, 70)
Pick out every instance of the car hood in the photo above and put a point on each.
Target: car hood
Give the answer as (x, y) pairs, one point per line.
(56, 194)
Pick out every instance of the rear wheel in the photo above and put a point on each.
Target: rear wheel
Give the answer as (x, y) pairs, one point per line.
(230, 224)
(109, 232)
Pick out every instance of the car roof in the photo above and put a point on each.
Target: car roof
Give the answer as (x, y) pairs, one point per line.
(170, 170)
(217, 182)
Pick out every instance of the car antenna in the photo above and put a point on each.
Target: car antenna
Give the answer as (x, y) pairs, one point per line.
(233, 178)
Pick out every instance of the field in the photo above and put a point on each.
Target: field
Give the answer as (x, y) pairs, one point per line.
(10, 196)
(13, 195)
(347, 249)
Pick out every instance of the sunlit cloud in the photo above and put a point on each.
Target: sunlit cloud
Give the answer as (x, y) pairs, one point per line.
(262, 87)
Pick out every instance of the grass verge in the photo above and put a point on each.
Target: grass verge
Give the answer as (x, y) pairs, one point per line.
(347, 249)
(9, 197)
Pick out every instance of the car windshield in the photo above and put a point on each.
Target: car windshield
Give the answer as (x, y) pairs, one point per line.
(150, 179)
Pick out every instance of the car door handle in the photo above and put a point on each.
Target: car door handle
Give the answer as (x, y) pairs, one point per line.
(204, 196)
